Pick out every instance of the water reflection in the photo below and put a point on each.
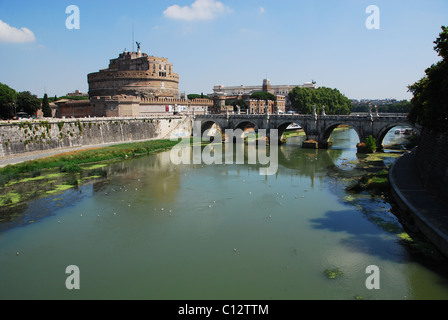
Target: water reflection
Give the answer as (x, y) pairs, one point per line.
(157, 178)
(155, 174)
(154, 230)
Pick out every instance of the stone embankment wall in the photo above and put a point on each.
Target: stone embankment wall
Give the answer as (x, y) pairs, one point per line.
(432, 162)
(37, 135)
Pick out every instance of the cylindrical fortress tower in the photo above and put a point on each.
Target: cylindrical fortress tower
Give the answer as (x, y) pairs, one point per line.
(135, 74)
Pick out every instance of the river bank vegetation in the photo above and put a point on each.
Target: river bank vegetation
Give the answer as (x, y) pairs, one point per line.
(371, 178)
(32, 179)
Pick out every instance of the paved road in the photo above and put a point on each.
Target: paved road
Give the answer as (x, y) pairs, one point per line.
(430, 213)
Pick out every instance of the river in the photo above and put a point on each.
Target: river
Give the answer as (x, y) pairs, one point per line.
(155, 230)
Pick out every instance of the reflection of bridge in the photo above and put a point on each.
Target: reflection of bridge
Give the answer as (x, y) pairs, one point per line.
(316, 127)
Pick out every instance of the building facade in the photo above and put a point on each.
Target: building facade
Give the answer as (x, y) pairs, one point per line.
(281, 90)
(223, 94)
(226, 97)
(134, 85)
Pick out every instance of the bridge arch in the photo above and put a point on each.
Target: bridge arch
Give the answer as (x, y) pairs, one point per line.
(212, 126)
(383, 131)
(282, 126)
(325, 136)
(245, 126)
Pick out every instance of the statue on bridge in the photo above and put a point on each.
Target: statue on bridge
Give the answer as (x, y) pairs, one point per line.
(315, 112)
(323, 111)
(370, 115)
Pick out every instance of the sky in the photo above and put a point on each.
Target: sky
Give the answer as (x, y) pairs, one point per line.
(46, 47)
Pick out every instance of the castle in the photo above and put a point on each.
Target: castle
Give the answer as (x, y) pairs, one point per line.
(135, 74)
(134, 85)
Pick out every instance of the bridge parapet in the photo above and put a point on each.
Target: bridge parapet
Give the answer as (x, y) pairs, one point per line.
(316, 127)
(402, 116)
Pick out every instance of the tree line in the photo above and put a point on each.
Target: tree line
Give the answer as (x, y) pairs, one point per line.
(193, 96)
(429, 106)
(13, 103)
(403, 106)
(303, 101)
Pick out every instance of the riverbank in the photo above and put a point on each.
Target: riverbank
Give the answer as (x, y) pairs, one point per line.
(20, 138)
(31, 179)
(370, 176)
(422, 209)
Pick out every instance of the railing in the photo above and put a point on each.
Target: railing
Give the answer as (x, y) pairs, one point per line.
(87, 119)
(307, 116)
(385, 114)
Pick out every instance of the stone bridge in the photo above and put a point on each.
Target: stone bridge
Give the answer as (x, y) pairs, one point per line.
(316, 127)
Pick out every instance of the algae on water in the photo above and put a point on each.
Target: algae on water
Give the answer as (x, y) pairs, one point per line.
(333, 273)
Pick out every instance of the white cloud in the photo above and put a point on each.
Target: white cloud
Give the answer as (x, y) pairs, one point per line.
(262, 10)
(199, 10)
(14, 35)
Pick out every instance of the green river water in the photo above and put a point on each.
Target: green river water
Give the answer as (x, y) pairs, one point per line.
(155, 230)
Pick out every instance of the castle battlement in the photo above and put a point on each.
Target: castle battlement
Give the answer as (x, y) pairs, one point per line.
(135, 74)
(135, 84)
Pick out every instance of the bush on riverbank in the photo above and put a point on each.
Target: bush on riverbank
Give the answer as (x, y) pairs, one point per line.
(375, 183)
(367, 147)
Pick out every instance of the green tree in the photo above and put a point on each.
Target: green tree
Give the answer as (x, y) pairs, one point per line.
(193, 96)
(400, 107)
(74, 98)
(8, 97)
(241, 103)
(370, 144)
(46, 107)
(429, 105)
(197, 96)
(303, 100)
(27, 102)
(262, 95)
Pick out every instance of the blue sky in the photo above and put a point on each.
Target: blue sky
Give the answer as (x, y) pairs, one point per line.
(226, 42)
